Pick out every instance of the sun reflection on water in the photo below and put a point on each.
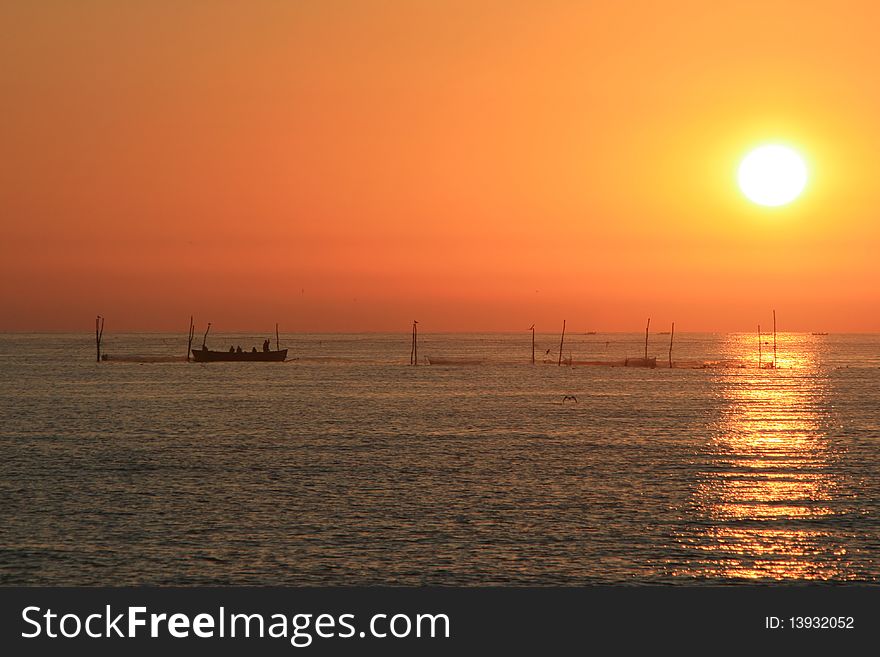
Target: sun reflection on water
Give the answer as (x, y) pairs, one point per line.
(762, 506)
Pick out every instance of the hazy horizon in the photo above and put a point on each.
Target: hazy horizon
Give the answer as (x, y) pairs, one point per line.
(569, 330)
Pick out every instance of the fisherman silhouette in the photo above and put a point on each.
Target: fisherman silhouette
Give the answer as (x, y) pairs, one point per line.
(238, 349)
(266, 345)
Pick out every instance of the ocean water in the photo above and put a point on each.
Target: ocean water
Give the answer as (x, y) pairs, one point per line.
(349, 467)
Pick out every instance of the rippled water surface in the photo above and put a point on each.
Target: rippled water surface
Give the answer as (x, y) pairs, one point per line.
(349, 467)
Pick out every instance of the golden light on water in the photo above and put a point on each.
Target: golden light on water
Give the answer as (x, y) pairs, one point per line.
(769, 479)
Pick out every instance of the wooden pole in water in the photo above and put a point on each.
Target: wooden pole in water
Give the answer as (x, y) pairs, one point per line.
(532, 328)
(189, 340)
(561, 340)
(99, 335)
(277, 341)
(414, 351)
(671, 336)
(774, 339)
(759, 346)
(205, 338)
(646, 338)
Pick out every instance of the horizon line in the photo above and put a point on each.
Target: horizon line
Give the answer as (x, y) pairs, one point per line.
(423, 332)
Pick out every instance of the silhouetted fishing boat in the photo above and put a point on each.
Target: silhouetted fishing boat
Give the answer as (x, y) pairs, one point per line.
(434, 360)
(205, 355)
(641, 362)
(208, 356)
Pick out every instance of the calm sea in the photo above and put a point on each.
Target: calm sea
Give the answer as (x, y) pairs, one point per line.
(349, 467)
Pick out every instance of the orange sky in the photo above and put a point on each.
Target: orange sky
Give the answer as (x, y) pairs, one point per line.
(353, 165)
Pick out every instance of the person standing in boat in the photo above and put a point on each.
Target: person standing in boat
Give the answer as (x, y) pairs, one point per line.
(266, 345)
(231, 350)
(238, 349)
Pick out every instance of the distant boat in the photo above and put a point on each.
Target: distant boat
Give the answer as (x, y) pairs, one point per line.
(663, 333)
(434, 360)
(208, 356)
(641, 362)
(818, 334)
(590, 333)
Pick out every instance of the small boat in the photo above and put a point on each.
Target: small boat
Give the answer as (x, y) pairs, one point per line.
(209, 356)
(641, 362)
(205, 355)
(434, 360)
(818, 334)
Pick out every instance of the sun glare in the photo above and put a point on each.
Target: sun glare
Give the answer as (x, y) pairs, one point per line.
(772, 175)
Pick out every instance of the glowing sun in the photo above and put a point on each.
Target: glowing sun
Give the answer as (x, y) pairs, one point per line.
(772, 175)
